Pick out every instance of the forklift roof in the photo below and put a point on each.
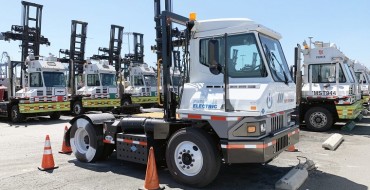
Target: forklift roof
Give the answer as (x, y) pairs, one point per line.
(102, 68)
(40, 65)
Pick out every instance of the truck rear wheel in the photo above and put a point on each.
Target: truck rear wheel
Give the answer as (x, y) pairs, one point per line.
(77, 108)
(318, 119)
(86, 141)
(192, 157)
(15, 115)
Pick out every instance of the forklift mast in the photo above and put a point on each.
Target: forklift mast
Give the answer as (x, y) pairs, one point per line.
(113, 53)
(29, 33)
(167, 38)
(137, 56)
(75, 56)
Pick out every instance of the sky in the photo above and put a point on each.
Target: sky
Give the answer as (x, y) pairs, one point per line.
(344, 23)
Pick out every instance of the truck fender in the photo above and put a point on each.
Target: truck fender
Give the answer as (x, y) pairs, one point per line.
(95, 119)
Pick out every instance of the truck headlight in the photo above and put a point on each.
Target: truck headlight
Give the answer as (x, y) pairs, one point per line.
(289, 118)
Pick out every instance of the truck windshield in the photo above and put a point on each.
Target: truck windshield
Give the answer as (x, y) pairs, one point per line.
(108, 79)
(349, 73)
(358, 76)
(54, 79)
(244, 58)
(150, 80)
(275, 59)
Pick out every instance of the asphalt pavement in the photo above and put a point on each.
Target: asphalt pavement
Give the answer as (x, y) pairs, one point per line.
(22, 148)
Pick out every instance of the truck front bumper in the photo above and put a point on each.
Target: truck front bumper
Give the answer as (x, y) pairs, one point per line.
(259, 151)
(349, 111)
(101, 103)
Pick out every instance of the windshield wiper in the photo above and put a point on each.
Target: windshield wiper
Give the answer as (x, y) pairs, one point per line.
(281, 67)
(271, 58)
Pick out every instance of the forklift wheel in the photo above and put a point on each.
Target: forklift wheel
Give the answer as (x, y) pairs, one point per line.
(126, 102)
(77, 108)
(55, 115)
(15, 115)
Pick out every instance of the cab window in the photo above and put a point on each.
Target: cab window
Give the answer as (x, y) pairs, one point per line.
(93, 80)
(36, 80)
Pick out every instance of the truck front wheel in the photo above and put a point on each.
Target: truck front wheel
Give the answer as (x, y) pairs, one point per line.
(86, 141)
(192, 157)
(77, 108)
(318, 119)
(15, 115)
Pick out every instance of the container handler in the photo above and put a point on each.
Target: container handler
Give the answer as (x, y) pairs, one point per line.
(40, 89)
(329, 90)
(235, 106)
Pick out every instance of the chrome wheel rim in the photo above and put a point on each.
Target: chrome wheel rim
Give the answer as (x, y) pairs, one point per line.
(188, 158)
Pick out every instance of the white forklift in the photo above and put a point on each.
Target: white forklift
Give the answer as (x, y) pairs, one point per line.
(235, 107)
(43, 89)
(99, 91)
(328, 91)
(362, 76)
(40, 88)
(93, 82)
(140, 79)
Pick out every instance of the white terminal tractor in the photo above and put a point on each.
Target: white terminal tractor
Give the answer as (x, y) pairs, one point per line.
(329, 91)
(235, 104)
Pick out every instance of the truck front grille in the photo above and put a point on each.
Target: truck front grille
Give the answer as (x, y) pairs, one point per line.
(277, 123)
(281, 143)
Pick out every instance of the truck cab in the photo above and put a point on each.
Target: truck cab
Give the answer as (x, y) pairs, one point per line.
(363, 78)
(329, 90)
(99, 90)
(259, 96)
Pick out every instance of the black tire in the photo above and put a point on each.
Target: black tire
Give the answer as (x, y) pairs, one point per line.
(15, 115)
(318, 119)
(77, 108)
(55, 115)
(126, 102)
(86, 141)
(198, 140)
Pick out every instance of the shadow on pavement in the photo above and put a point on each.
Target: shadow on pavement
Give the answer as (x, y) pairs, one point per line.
(42, 120)
(321, 180)
(362, 128)
(238, 176)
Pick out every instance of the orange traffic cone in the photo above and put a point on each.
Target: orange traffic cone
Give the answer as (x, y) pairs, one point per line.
(65, 149)
(47, 158)
(292, 149)
(151, 176)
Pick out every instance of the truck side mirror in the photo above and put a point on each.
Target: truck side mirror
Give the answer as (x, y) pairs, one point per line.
(213, 57)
